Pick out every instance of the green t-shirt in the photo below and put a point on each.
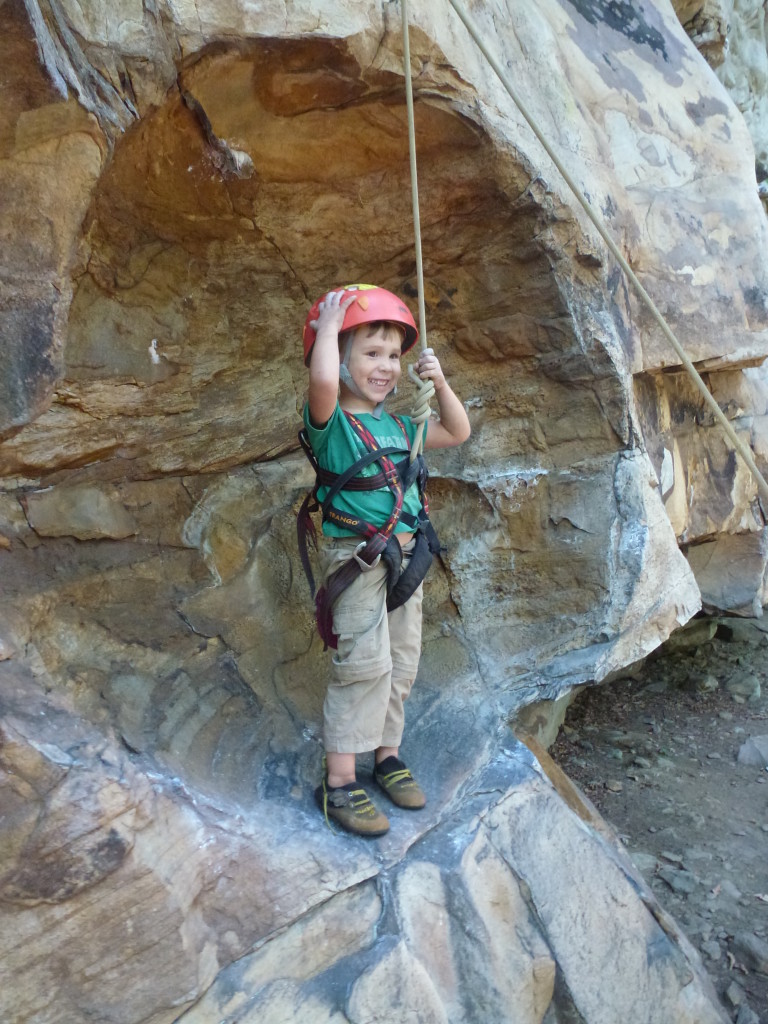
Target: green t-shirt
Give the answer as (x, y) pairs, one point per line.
(337, 447)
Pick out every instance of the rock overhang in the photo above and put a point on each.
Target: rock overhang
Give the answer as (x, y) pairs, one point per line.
(194, 268)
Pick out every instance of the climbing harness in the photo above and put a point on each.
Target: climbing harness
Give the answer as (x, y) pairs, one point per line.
(372, 304)
(378, 543)
(501, 74)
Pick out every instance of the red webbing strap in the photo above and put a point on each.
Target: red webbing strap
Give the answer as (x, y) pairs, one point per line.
(378, 540)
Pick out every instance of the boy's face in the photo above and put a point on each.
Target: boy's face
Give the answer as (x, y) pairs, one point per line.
(374, 360)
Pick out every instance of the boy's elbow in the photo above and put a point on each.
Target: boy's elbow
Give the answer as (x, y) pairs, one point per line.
(464, 430)
(459, 436)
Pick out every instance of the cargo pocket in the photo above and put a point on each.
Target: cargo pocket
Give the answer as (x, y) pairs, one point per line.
(360, 622)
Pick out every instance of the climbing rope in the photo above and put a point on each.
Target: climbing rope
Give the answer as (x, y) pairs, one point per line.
(738, 444)
(426, 388)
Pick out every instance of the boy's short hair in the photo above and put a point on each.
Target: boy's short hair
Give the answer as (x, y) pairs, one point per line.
(387, 326)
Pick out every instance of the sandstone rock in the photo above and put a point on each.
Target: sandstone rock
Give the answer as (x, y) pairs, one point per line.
(692, 635)
(744, 72)
(82, 511)
(749, 631)
(708, 23)
(163, 860)
(470, 895)
(732, 572)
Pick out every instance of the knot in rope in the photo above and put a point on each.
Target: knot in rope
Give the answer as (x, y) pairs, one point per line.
(426, 391)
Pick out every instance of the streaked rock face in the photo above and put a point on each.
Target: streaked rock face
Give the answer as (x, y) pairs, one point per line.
(178, 184)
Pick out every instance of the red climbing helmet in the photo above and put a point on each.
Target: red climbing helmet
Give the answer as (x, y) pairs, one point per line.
(371, 304)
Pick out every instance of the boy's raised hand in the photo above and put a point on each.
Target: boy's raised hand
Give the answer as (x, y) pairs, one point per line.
(331, 312)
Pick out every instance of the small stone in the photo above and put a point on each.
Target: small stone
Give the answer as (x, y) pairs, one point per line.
(735, 994)
(697, 853)
(754, 752)
(729, 889)
(644, 862)
(641, 762)
(743, 685)
(712, 950)
(752, 951)
(703, 682)
(683, 882)
(660, 686)
(614, 786)
(727, 716)
(747, 1015)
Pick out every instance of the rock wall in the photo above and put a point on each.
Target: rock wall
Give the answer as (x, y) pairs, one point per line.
(179, 182)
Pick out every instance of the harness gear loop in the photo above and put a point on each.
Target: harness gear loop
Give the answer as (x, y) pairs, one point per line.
(691, 370)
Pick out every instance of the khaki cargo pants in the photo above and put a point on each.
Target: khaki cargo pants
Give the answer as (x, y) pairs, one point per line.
(373, 669)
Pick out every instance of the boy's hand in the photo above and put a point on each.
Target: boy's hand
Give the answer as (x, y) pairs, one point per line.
(331, 312)
(428, 368)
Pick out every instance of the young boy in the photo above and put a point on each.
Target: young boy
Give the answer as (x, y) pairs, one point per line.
(353, 342)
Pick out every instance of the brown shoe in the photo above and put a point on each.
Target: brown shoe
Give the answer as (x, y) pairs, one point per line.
(400, 786)
(352, 808)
